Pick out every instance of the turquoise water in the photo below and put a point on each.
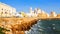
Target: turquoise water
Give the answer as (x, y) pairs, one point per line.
(45, 27)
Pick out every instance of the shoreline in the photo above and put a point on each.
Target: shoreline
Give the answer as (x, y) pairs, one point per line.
(17, 24)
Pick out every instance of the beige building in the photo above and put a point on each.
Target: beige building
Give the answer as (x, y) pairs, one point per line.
(53, 14)
(6, 10)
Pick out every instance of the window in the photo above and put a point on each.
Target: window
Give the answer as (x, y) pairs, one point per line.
(5, 12)
(1, 12)
(2, 8)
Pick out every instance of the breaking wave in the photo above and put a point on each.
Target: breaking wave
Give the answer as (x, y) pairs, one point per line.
(45, 27)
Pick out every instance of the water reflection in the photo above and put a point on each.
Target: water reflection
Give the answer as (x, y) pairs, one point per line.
(45, 27)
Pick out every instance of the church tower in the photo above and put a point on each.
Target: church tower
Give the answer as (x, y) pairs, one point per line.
(30, 9)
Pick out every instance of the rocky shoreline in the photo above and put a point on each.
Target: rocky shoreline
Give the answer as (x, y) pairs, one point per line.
(17, 25)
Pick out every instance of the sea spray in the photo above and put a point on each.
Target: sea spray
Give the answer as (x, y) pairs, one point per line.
(45, 27)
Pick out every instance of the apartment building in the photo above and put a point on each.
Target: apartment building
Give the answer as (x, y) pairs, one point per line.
(6, 10)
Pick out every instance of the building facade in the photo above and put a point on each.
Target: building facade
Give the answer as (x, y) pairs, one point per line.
(6, 10)
(53, 14)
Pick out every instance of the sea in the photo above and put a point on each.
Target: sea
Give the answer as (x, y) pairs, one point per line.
(45, 27)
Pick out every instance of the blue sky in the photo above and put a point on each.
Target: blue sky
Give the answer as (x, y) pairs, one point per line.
(24, 5)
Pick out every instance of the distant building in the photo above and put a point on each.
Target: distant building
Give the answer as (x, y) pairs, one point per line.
(31, 11)
(58, 15)
(47, 14)
(24, 14)
(18, 15)
(53, 14)
(6, 10)
(34, 13)
(43, 14)
(31, 14)
(39, 10)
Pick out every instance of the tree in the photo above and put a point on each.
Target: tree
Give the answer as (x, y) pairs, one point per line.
(2, 29)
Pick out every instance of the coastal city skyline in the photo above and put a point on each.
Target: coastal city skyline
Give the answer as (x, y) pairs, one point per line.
(24, 5)
(29, 16)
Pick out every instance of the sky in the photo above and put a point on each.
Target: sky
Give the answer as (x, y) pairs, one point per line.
(24, 5)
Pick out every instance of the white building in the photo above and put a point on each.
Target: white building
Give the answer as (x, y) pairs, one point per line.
(18, 15)
(53, 14)
(6, 10)
(39, 10)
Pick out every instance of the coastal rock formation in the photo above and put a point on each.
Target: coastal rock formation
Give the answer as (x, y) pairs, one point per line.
(17, 25)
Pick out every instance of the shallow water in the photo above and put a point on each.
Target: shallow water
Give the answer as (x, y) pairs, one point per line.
(45, 27)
